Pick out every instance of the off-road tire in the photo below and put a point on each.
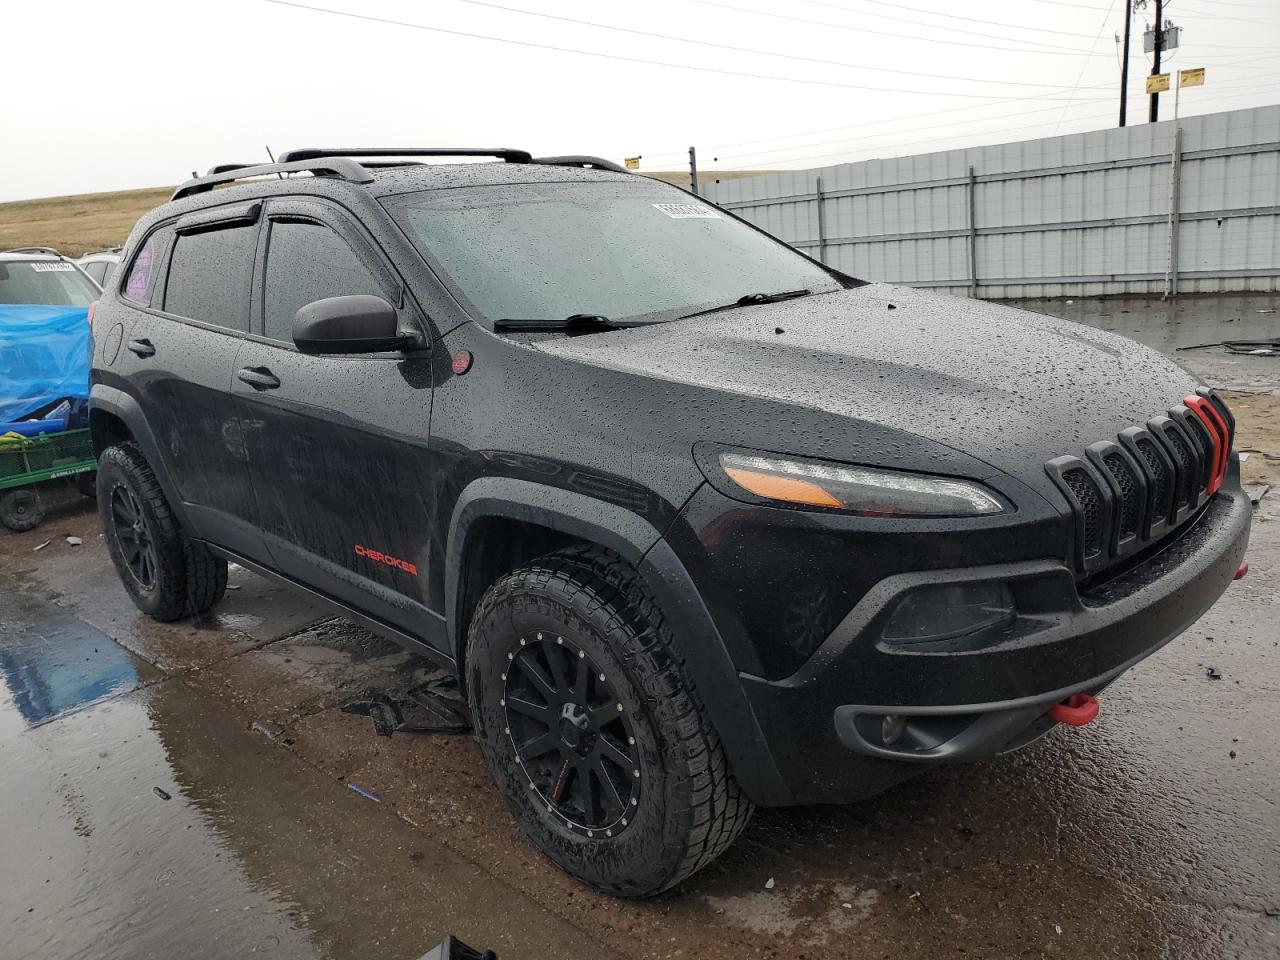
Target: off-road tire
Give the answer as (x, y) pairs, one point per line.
(21, 509)
(689, 807)
(188, 578)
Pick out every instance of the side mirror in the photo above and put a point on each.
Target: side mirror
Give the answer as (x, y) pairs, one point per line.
(357, 324)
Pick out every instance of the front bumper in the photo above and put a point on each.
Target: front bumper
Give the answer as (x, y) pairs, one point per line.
(823, 723)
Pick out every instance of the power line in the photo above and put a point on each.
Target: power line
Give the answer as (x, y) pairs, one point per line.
(622, 57)
(1080, 76)
(896, 146)
(751, 50)
(870, 123)
(1054, 49)
(948, 16)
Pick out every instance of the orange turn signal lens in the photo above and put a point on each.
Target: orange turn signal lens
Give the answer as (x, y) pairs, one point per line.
(787, 489)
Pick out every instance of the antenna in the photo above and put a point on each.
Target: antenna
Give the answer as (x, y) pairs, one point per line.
(272, 157)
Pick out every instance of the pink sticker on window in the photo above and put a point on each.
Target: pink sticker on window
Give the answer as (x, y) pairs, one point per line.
(139, 285)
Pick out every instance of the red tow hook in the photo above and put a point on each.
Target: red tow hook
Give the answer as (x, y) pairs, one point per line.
(1244, 569)
(1077, 710)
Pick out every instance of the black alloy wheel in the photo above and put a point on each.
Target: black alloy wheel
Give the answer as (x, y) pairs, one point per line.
(571, 735)
(137, 546)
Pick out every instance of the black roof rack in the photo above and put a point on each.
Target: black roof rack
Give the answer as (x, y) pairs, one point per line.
(315, 153)
(598, 163)
(49, 250)
(230, 172)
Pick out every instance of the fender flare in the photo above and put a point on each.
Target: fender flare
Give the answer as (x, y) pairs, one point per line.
(126, 409)
(638, 542)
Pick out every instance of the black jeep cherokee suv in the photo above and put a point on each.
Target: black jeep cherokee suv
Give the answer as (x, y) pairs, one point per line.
(700, 523)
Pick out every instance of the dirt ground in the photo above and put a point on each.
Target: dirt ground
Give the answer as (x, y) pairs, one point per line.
(1152, 833)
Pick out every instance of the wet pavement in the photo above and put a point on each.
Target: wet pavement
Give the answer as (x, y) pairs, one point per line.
(1154, 832)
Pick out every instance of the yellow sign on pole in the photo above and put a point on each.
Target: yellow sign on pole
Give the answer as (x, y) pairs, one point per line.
(631, 163)
(1157, 83)
(1191, 78)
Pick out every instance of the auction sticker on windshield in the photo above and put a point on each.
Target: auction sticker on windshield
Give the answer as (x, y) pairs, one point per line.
(54, 267)
(687, 211)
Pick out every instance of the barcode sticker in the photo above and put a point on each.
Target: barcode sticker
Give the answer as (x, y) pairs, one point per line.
(687, 211)
(56, 266)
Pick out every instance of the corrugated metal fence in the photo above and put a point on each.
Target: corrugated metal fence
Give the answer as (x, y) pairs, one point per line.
(1151, 208)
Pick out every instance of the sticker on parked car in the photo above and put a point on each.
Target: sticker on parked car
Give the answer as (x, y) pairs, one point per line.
(687, 211)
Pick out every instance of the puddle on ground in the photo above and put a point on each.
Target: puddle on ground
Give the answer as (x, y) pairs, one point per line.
(139, 818)
(52, 662)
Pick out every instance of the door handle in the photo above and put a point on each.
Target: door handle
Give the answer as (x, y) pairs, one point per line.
(260, 378)
(142, 348)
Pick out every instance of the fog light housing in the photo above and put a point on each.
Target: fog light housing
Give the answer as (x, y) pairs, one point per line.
(891, 729)
(945, 611)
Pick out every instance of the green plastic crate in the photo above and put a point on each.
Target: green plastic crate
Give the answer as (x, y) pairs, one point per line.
(49, 456)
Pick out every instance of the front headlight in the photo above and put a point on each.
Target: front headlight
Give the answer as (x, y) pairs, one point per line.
(864, 490)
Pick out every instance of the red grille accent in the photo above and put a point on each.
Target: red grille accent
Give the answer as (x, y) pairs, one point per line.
(1207, 414)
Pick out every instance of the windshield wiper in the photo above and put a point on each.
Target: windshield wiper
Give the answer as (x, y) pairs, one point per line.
(584, 322)
(751, 299)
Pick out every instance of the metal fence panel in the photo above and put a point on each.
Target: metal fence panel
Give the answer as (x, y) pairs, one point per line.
(1077, 215)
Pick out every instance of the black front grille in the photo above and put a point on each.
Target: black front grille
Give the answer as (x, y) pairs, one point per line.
(1130, 494)
(1186, 465)
(1159, 481)
(1089, 503)
(1125, 495)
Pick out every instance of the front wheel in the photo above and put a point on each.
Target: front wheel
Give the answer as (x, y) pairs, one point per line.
(593, 730)
(168, 575)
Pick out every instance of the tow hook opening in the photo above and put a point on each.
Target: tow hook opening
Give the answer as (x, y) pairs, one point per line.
(1076, 711)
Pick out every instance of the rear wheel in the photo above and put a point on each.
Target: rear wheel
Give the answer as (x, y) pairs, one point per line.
(593, 730)
(167, 575)
(21, 509)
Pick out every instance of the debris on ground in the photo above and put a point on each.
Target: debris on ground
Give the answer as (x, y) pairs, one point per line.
(162, 794)
(74, 541)
(367, 794)
(42, 546)
(434, 707)
(1256, 492)
(769, 884)
(1212, 673)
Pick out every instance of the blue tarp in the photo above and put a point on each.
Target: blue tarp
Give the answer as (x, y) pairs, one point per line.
(44, 357)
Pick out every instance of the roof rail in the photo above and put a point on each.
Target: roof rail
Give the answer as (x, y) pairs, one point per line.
(580, 161)
(347, 170)
(49, 250)
(501, 153)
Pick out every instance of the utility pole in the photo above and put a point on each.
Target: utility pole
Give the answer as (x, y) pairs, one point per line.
(1124, 64)
(693, 170)
(1155, 62)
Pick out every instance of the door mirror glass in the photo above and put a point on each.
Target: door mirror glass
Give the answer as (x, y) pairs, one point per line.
(356, 324)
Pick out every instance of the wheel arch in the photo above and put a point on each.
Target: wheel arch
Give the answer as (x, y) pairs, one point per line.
(565, 517)
(116, 417)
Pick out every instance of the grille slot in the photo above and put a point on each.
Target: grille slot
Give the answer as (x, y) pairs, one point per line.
(1186, 464)
(1089, 502)
(1128, 483)
(1161, 484)
(1205, 443)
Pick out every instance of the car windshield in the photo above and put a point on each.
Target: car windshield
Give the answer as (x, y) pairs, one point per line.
(626, 251)
(55, 283)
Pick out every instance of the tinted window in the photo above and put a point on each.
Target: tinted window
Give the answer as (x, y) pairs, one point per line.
(306, 262)
(142, 274)
(97, 270)
(55, 283)
(209, 276)
(109, 267)
(621, 250)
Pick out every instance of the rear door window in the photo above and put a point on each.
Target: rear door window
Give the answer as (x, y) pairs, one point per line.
(97, 270)
(141, 278)
(308, 261)
(209, 276)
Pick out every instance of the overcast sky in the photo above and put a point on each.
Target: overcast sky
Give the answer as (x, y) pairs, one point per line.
(136, 93)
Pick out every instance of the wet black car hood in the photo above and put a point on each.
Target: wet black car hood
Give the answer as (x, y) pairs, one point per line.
(1006, 386)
